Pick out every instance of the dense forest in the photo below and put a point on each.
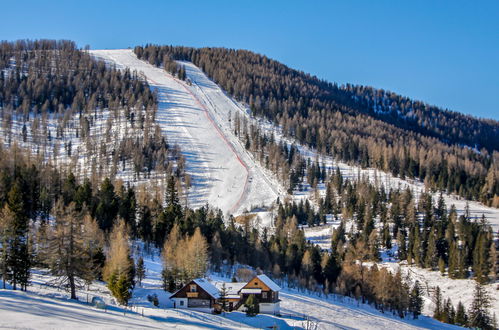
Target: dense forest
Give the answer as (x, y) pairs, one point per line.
(357, 124)
(96, 223)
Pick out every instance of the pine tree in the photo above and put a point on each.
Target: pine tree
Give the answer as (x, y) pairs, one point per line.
(481, 265)
(416, 300)
(431, 257)
(461, 318)
(18, 257)
(141, 271)
(223, 297)
(479, 316)
(6, 220)
(438, 301)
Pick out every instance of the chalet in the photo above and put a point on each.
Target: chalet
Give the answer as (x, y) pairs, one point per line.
(198, 294)
(232, 293)
(265, 291)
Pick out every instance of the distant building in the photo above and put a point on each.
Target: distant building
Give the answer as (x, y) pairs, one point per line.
(200, 294)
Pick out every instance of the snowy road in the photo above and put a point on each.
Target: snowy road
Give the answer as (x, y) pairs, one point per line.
(223, 174)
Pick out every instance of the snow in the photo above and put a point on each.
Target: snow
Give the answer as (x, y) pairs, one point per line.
(223, 174)
(268, 282)
(47, 307)
(211, 289)
(455, 289)
(232, 288)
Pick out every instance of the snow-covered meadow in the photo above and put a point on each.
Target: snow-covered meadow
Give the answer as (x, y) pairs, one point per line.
(44, 306)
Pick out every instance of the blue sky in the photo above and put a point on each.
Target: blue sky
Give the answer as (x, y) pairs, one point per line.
(442, 52)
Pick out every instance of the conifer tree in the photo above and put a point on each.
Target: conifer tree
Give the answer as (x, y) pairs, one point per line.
(141, 270)
(416, 300)
(479, 315)
(223, 297)
(66, 255)
(119, 271)
(252, 306)
(438, 301)
(18, 256)
(461, 318)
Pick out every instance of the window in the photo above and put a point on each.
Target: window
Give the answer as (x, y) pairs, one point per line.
(264, 295)
(256, 283)
(181, 303)
(193, 288)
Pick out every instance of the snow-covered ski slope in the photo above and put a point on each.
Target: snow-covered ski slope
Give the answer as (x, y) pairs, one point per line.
(223, 174)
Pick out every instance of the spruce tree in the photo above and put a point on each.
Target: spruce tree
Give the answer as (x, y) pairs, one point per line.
(438, 301)
(141, 270)
(479, 315)
(461, 318)
(416, 300)
(18, 256)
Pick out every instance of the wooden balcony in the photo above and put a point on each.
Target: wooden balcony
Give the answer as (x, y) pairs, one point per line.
(192, 294)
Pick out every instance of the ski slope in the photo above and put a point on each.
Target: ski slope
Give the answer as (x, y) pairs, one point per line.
(223, 174)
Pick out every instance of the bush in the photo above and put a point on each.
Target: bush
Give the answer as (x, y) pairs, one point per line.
(154, 299)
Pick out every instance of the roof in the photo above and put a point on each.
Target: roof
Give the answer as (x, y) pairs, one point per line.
(203, 284)
(252, 291)
(208, 287)
(268, 282)
(232, 288)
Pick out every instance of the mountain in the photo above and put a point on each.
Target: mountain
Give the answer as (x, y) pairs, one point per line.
(358, 124)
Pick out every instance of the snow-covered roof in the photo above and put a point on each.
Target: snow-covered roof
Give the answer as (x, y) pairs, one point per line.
(208, 287)
(268, 282)
(232, 288)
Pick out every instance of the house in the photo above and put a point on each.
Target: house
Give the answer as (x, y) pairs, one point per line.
(232, 293)
(198, 294)
(266, 293)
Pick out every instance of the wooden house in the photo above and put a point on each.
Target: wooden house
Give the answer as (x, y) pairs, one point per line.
(266, 293)
(198, 294)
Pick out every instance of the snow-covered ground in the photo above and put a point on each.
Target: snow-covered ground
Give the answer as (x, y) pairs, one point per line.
(458, 290)
(223, 174)
(47, 307)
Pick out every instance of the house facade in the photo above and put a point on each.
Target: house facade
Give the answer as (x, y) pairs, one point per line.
(266, 293)
(198, 294)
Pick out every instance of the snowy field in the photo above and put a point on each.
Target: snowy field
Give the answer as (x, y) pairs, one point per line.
(47, 307)
(223, 175)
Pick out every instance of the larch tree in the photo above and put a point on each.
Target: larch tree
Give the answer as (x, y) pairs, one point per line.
(119, 271)
(65, 255)
(197, 254)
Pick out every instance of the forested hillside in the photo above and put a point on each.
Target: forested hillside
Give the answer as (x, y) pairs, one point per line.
(70, 108)
(357, 124)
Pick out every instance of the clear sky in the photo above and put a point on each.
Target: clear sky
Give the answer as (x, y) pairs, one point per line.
(442, 52)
